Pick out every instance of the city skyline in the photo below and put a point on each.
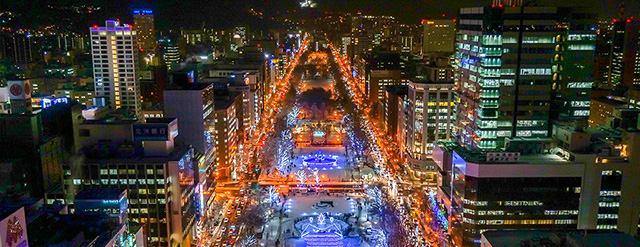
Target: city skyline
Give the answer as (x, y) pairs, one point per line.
(320, 123)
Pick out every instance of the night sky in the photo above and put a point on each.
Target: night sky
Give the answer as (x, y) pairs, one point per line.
(226, 13)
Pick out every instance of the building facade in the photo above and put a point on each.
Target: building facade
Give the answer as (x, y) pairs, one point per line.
(492, 55)
(438, 36)
(114, 52)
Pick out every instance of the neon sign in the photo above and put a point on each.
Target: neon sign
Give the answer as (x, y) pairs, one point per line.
(46, 102)
(142, 11)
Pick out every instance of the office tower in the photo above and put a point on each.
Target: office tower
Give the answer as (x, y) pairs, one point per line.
(624, 60)
(573, 66)
(245, 79)
(114, 52)
(584, 181)
(557, 238)
(193, 106)
(383, 69)
(393, 106)
(613, 114)
(143, 159)
(226, 133)
(143, 25)
(495, 62)
(34, 142)
(430, 118)
(439, 36)
(20, 48)
(170, 52)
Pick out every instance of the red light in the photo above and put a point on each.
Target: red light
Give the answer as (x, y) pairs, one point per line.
(95, 26)
(513, 6)
(258, 45)
(454, 20)
(442, 15)
(117, 19)
(500, 5)
(493, 6)
(614, 20)
(130, 27)
(141, 49)
(629, 20)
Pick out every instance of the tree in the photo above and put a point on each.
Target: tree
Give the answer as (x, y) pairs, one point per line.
(273, 194)
(302, 176)
(316, 176)
(248, 241)
(252, 218)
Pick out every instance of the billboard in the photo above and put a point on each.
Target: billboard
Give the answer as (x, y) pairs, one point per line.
(155, 131)
(13, 230)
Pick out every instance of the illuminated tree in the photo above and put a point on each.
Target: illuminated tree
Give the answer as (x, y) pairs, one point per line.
(302, 176)
(316, 176)
(248, 241)
(272, 194)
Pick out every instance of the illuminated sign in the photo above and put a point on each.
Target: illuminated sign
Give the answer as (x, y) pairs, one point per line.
(142, 11)
(155, 131)
(47, 102)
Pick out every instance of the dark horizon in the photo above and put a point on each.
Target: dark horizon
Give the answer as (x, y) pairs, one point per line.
(225, 14)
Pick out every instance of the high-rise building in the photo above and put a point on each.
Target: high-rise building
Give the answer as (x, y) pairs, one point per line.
(393, 105)
(499, 66)
(624, 60)
(193, 106)
(114, 52)
(573, 66)
(578, 184)
(439, 36)
(383, 69)
(20, 48)
(226, 129)
(170, 52)
(143, 25)
(430, 118)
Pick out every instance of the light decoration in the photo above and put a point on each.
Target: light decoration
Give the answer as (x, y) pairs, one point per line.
(376, 199)
(248, 241)
(273, 195)
(322, 232)
(293, 116)
(379, 238)
(318, 133)
(320, 161)
(285, 145)
(316, 176)
(302, 176)
(436, 210)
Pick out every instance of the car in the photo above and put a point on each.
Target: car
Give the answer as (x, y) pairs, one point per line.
(226, 220)
(223, 228)
(218, 239)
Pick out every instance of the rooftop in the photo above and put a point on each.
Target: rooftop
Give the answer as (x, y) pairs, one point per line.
(426, 81)
(194, 86)
(224, 102)
(612, 102)
(398, 90)
(552, 239)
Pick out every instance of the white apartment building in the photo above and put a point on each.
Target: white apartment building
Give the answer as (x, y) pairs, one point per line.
(114, 54)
